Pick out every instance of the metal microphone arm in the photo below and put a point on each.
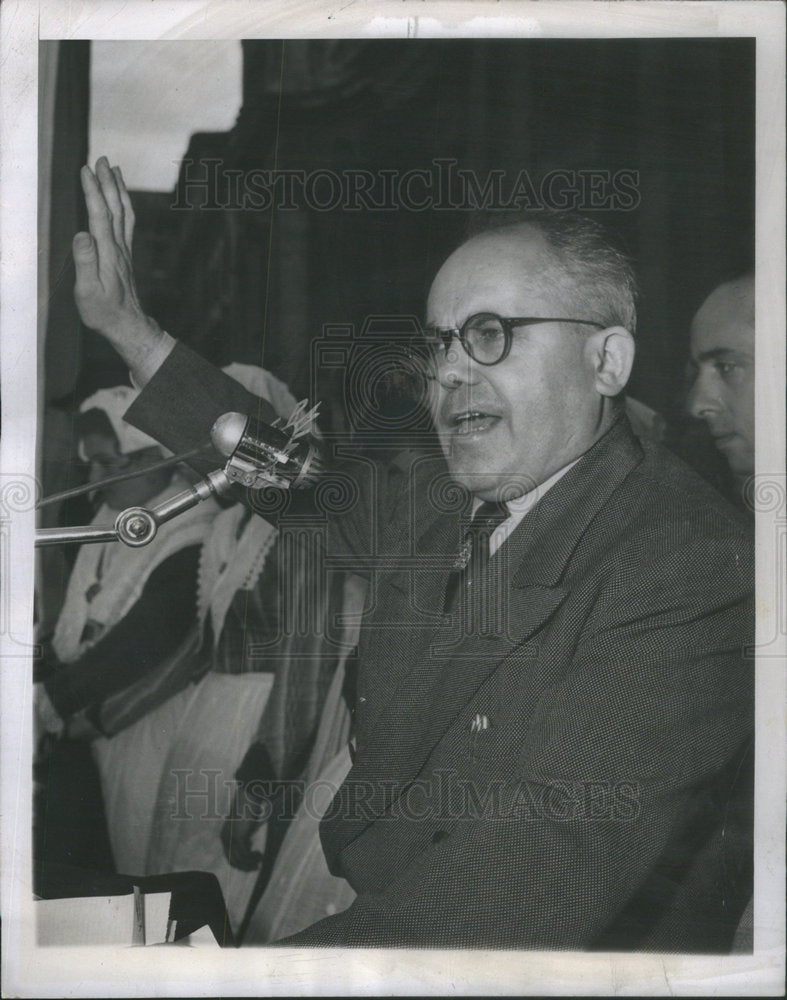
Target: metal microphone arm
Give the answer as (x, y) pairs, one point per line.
(136, 526)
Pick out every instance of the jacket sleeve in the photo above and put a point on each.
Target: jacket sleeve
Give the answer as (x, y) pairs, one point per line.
(182, 401)
(179, 406)
(153, 628)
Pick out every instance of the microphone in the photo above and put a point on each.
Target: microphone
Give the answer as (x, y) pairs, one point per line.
(262, 455)
(258, 455)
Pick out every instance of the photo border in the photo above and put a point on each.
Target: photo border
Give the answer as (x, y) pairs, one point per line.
(33, 971)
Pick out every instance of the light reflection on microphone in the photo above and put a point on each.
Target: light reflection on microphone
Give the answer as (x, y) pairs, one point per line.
(262, 455)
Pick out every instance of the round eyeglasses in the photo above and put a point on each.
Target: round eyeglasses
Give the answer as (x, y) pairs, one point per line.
(485, 337)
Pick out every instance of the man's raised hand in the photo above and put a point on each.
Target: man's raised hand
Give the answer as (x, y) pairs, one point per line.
(105, 290)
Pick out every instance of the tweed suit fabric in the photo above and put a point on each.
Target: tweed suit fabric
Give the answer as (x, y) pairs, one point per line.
(561, 763)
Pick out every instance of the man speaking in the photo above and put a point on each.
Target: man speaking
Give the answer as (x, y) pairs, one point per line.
(554, 717)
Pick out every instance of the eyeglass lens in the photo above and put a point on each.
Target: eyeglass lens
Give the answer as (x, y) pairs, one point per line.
(483, 337)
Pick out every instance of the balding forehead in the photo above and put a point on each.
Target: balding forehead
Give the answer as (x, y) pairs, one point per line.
(523, 244)
(488, 270)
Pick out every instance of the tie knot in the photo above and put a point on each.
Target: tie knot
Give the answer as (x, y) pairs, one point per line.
(474, 554)
(488, 516)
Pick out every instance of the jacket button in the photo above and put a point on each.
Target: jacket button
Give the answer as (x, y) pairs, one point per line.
(439, 835)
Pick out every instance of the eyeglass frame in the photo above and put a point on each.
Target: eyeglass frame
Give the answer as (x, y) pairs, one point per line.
(508, 324)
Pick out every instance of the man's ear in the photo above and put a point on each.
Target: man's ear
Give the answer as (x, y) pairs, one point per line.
(611, 353)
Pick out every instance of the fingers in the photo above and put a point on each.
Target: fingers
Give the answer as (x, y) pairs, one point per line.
(109, 189)
(83, 247)
(108, 202)
(128, 210)
(105, 292)
(98, 217)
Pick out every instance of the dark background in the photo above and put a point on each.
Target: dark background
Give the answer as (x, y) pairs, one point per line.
(260, 286)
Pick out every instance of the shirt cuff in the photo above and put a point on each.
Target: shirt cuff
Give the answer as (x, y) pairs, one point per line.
(143, 373)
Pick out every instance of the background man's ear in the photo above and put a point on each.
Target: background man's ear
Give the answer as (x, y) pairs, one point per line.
(612, 353)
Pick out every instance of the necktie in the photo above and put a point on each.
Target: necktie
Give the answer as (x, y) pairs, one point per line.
(474, 554)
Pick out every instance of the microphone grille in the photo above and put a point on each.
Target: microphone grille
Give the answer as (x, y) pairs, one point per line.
(227, 431)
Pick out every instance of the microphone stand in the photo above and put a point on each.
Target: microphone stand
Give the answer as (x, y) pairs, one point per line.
(137, 526)
(258, 455)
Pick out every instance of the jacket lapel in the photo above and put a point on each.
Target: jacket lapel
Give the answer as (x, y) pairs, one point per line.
(523, 586)
(413, 593)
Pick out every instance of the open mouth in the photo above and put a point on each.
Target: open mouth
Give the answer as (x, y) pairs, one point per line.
(472, 422)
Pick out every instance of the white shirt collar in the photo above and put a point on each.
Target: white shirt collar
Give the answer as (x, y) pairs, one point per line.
(519, 506)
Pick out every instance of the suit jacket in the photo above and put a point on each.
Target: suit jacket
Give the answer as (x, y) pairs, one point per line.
(565, 761)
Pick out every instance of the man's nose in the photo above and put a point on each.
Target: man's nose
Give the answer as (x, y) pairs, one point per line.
(703, 399)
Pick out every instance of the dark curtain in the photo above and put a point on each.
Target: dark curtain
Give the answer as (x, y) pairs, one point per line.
(264, 283)
(67, 350)
(64, 355)
(677, 114)
(69, 825)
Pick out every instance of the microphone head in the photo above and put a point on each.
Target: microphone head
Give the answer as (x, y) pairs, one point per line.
(227, 431)
(261, 455)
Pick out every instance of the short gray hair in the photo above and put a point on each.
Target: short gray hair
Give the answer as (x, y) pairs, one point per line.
(601, 284)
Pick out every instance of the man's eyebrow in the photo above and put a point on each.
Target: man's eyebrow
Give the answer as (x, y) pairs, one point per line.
(724, 354)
